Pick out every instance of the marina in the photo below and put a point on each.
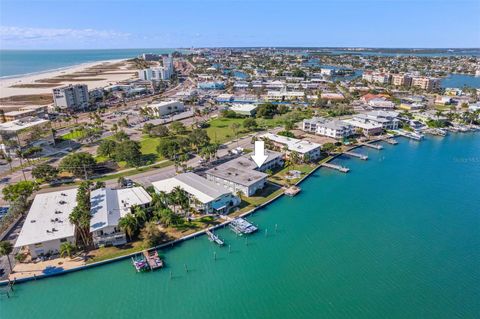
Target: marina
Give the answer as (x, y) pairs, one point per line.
(336, 167)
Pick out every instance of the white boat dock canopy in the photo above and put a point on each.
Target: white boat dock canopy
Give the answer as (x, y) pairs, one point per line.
(48, 218)
(109, 205)
(202, 189)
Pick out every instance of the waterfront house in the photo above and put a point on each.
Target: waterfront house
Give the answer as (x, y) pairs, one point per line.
(205, 196)
(331, 128)
(107, 207)
(305, 149)
(47, 224)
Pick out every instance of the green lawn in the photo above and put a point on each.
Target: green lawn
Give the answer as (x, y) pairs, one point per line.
(149, 147)
(75, 134)
(220, 130)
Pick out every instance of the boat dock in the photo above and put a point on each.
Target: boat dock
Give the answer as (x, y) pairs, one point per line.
(242, 226)
(292, 190)
(391, 141)
(357, 155)
(435, 131)
(153, 260)
(336, 167)
(140, 263)
(374, 146)
(214, 238)
(410, 135)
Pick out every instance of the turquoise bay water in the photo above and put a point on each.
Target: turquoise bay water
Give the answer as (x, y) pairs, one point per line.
(397, 237)
(15, 62)
(460, 80)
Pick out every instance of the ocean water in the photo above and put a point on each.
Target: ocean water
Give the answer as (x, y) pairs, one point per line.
(17, 62)
(397, 237)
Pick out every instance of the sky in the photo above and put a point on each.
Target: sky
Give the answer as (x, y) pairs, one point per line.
(105, 24)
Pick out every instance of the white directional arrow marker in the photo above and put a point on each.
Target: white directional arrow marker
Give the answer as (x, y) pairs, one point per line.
(259, 156)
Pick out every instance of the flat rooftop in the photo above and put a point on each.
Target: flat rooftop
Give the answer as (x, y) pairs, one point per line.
(47, 218)
(238, 171)
(293, 144)
(22, 124)
(243, 107)
(109, 205)
(201, 188)
(363, 125)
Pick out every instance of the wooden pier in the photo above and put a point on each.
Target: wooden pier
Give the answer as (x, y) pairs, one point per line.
(374, 146)
(336, 167)
(357, 155)
(153, 260)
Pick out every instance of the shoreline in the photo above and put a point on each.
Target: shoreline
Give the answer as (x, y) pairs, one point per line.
(41, 78)
(187, 237)
(63, 68)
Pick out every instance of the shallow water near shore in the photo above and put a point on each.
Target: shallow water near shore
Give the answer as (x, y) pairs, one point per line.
(397, 237)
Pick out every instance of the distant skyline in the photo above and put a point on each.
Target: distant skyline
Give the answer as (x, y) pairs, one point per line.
(89, 24)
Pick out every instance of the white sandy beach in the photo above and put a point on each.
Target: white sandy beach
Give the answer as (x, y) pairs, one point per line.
(103, 79)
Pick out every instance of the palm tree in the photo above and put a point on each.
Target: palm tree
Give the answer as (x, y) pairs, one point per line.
(128, 224)
(6, 249)
(140, 213)
(67, 249)
(166, 217)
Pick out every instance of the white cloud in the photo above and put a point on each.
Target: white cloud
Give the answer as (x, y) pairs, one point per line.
(21, 34)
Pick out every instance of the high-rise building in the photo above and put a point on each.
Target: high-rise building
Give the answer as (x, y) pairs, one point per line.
(71, 97)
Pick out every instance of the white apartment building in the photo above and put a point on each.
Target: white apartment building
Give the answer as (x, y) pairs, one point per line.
(242, 174)
(71, 97)
(107, 207)
(47, 225)
(301, 147)
(331, 128)
(426, 83)
(205, 196)
(386, 119)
